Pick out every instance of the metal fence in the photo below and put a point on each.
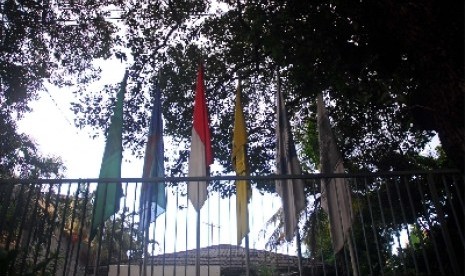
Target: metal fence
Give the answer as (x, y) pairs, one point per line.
(403, 223)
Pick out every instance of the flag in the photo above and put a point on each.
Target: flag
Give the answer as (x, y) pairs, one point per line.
(239, 162)
(201, 153)
(335, 194)
(108, 194)
(291, 190)
(153, 197)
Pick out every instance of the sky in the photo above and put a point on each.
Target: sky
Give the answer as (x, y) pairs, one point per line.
(50, 125)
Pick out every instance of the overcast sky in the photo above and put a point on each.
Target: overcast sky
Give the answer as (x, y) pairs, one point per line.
(50, 125)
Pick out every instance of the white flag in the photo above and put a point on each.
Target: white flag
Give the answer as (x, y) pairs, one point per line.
(335, 194)
(291, 190)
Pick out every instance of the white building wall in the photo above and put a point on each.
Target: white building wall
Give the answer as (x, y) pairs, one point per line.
(164, 270)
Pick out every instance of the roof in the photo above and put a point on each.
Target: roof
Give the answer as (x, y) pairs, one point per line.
(227, 255)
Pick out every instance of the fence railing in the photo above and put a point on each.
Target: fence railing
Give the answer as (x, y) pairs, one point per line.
(403, 223)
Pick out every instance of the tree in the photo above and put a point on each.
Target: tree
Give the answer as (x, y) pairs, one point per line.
(392, 72)
(381, 84)
(46, 229)
(50, 41)
(45, 42)
(20, 156)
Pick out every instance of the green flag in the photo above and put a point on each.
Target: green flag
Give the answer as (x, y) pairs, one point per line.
(108, 194)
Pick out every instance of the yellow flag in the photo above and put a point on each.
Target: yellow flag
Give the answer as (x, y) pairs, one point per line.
(239, 161)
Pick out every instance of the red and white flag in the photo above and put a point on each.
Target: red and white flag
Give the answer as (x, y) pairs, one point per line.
(201, 152)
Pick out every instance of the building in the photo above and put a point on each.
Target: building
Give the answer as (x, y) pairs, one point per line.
(221, 260)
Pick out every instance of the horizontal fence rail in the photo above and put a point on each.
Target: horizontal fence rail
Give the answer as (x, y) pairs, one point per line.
(406, 223)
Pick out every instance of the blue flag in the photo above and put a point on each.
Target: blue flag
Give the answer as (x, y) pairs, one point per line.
(153, 197)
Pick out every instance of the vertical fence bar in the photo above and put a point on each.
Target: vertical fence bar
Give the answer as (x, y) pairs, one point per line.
(70, 245)
(6, 195)
(13, 225)
(398, 230)
(230, 238)
(61, 230)
(459, 192)
(409, 248)
(450, 199)
(36, 237)
(209, 235)
(414, 214)
(383, 220)
(197, 248)
(187, 233)
(122, 229)
(81, 228)
(444, 228)
(459, 207)
(111, 239)
(175, 233)
(430, 227)
(352, 242)
(50, 224)
(23, 217)
(89, 248)
(31, 224)
(131, 229)
(363, 228)
(164, 235)
(101, 224)
(319, 228)
(374, 226)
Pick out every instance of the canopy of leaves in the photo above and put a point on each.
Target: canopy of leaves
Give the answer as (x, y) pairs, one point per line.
(50, 41)
(392, 72)
(19, 156)
(44, 41)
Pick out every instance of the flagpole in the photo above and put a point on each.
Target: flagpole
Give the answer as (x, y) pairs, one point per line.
(146, 236)
(197, 253)
(146, 251)
(352, 256)
(247, 256)
(299, 251)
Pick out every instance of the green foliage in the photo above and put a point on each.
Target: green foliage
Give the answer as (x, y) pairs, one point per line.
(118, 243)
(50, 41)
(265, 270)
(310, 145)
(317, 237)
(8, 258)
(119, 240)
(35, 220)
(20, 156)
(382, 101)
(334, 47)
(54, 42)
(26, 230)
